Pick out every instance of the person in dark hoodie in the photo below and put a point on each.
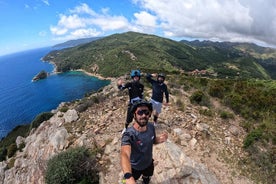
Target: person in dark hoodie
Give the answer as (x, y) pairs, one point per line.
(135, 92)
(159, 89)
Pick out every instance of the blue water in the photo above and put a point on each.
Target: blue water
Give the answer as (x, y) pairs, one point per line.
(21, 100)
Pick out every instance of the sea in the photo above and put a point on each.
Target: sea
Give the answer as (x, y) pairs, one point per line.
(21, 99)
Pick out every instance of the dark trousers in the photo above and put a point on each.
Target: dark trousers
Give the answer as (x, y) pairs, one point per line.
(146, 173)
(129, 115)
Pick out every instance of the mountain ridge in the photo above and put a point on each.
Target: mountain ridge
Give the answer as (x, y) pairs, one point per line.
(152, 53)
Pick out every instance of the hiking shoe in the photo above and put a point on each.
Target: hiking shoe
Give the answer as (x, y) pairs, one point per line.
(123, 130)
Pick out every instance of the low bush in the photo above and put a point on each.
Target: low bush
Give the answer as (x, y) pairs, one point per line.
(11, 150)
(206, 112)
(253, 136)
(3, 154)
(76, 165)
(63, 109)
(199, 97)
(226, 115)
(40, 118)
(216, 91)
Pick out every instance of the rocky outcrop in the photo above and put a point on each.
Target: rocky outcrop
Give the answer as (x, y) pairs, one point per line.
(200, 149)
(41, 75)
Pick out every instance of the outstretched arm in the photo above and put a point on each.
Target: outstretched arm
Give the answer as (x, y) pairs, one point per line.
(149, 77)
(121, 85)
(125, 162)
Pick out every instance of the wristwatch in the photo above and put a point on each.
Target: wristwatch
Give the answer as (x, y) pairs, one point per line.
(127, 175)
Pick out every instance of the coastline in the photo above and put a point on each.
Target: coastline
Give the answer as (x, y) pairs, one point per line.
(95, 75)
(80, 70)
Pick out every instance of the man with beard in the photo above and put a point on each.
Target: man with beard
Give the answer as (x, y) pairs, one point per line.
(135, 92)
(137, 145)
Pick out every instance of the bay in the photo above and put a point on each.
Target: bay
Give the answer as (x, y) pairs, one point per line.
(21, 100)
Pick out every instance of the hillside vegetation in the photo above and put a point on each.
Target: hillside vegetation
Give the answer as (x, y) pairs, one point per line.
(115, 55)
(254, 100)
(264, 56)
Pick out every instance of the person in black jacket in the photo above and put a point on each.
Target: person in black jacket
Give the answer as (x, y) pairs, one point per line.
(159, 88)
(135, 92)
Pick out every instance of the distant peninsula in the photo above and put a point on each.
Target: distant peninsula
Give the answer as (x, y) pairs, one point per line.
(41, 75)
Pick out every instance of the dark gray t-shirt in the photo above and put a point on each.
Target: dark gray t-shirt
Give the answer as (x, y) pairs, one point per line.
(141, 146)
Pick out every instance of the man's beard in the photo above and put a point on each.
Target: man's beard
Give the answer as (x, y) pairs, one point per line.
(142, 123)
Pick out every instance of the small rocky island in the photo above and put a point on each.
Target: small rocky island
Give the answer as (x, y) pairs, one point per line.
(41, 75)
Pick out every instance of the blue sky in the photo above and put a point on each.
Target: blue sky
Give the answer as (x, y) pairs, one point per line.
(28, 24)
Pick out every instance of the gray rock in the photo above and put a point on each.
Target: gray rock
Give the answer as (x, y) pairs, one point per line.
(70, 116)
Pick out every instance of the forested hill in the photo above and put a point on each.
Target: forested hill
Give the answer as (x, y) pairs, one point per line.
(265, 56)
(117, 54)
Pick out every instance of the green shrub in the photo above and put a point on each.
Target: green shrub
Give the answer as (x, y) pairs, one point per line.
(40, 118)
(10, 163)
(226, 115)
(3, 154)
(206, 112)
(263, 162)
(63, 109)
(198, 97)
(20, 130)
(72, 166)
(253, 136)
(247, 125)
(216, 91)
(11, 150)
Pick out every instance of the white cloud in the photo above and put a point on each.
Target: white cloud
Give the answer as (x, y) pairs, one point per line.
(46, 2)
(218, 19)
(84, 21)
(83, 9)
(85, 33)
(221, 20)
(145, 19)
(58, 31)
(107, 23)
(71, 21)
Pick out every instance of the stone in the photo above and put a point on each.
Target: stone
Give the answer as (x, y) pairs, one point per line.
(70, 116)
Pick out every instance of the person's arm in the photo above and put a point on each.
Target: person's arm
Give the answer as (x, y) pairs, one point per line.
(161, 138)
(121, 85)
(166, 94)
(125, 162)
(149, 77)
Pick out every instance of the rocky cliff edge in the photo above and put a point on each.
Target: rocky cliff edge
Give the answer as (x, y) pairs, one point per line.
(200, 149)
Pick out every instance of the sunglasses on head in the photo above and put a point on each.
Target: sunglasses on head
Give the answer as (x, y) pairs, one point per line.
(141, 112)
